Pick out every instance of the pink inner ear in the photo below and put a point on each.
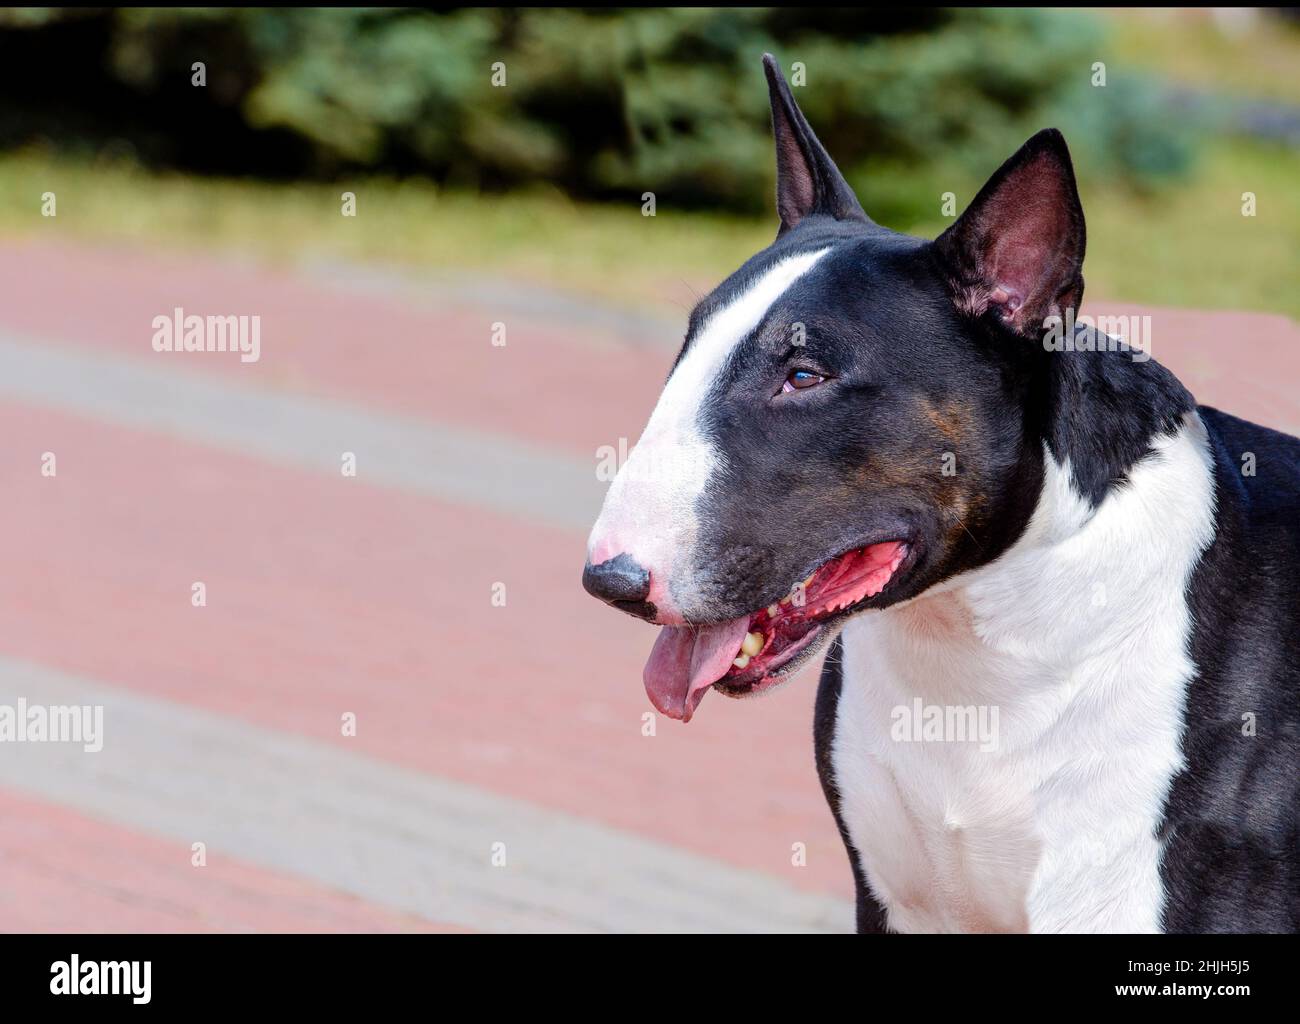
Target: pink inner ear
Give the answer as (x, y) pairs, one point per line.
(1026, 230)
(798, 190)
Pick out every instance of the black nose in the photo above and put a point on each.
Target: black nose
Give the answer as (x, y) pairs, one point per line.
(620, 582)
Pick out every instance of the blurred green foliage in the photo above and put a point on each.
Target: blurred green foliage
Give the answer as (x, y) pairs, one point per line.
(609, 103)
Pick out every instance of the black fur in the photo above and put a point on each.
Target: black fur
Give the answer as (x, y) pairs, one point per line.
(1232, 820)
(1102, 409)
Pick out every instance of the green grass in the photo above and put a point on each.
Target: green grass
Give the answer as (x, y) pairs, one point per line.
(1253, 60)
(1191, 246)
(1187, 246)
(605, 250)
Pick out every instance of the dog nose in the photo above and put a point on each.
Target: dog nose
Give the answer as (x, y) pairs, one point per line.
(621, 582)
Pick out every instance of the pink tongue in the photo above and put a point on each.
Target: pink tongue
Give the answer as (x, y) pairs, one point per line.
(686, 661)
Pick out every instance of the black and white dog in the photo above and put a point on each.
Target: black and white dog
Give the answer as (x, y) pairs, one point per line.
(984, 522)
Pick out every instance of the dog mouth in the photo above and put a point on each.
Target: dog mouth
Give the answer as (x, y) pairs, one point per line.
(748, 654)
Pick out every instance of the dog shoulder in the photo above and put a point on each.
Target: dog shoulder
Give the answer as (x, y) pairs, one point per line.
(1232, 824)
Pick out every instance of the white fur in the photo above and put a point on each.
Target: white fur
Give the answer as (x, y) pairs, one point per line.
(1078, 635)
(649, 510)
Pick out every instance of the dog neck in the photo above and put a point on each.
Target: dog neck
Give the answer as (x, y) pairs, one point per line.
(1072, 645)
(1081, 575)
(1104, 409)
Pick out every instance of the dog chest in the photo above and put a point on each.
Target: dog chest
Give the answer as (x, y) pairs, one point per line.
(1004, 745)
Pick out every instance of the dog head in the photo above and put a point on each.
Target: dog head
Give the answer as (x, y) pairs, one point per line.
(854, 417)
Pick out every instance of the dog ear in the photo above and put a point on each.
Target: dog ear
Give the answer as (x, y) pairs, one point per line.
(807, 180)
(1018, 248)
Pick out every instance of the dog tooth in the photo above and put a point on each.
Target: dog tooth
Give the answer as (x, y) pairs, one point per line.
(752, 644)
(742, 661)
(785, 600)
(773, 610)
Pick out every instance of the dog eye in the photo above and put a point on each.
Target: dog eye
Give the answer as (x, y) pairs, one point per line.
(800, 379)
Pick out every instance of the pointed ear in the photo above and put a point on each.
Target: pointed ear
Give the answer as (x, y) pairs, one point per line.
(1018, 248)
(807, 180)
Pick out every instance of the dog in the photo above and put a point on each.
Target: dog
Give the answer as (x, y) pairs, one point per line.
(865, 447)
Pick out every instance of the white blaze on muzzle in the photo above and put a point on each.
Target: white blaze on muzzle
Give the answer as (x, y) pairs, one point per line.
(650, 510)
